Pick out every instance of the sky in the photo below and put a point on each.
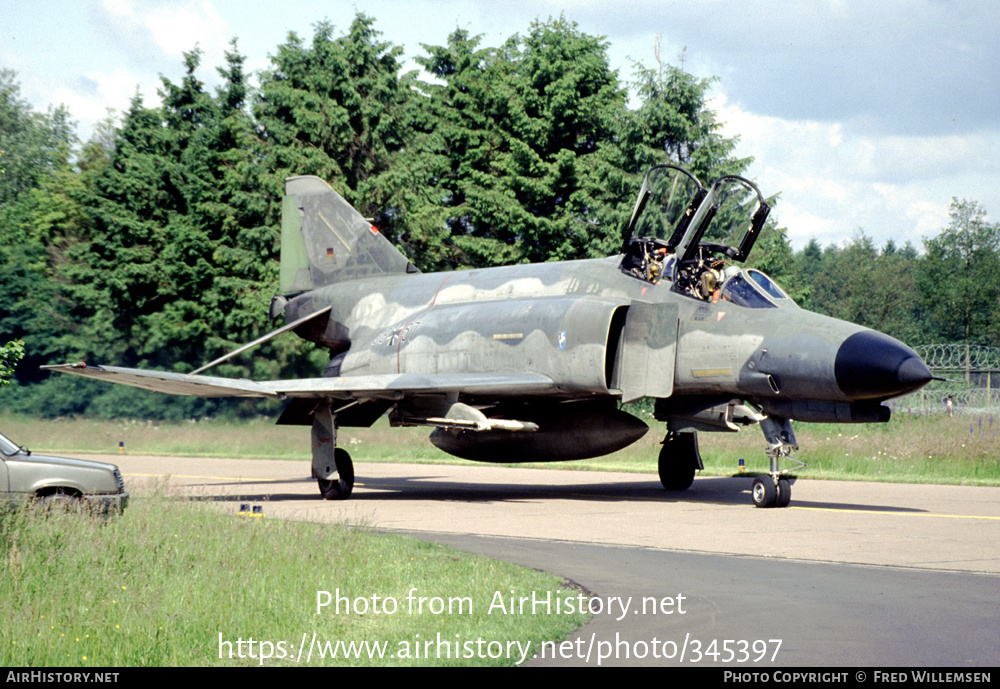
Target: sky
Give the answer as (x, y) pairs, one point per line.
(864, 117)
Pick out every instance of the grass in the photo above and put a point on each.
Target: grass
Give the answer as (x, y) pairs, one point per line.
(910, 448)
(175, 583)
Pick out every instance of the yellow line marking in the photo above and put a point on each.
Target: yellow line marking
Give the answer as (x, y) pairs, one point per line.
(895, 513)
(211, 478)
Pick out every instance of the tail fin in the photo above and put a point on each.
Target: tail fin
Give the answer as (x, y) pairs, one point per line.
(325, 241)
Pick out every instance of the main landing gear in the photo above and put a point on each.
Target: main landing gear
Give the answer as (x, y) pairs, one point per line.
(679, 459)
(773, 489)
(331, 465)
(340, 486)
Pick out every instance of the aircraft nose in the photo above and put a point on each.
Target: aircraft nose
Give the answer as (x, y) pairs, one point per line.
(871, 365)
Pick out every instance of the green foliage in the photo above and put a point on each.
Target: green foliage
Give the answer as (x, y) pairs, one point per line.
(961, 277)
(540, 153)
(337, 108)
(673, 118)
(871, 288)
(10, 354)
(951, 293)
(181, 259)
(41, 215)
(31, 143)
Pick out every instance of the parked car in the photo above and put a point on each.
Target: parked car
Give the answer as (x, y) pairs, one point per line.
(59, 482)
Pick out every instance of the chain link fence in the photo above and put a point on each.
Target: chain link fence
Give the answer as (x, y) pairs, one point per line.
(972, 385)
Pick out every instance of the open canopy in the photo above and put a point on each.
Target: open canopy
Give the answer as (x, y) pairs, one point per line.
(684, 232)
(679, 214)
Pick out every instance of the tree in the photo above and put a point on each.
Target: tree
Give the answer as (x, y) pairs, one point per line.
(338, 109)
(673, 119)
(41, 214)
(516, 125)
(10, 354)
(31, 143)
(181, 261)
(543, 155)
(960, 276)
(877, 290)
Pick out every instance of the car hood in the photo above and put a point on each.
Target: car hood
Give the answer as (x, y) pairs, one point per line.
(63, 461)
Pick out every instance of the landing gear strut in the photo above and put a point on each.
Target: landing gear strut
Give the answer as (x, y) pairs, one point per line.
(774, 490)
(331, 465)
(679, 459)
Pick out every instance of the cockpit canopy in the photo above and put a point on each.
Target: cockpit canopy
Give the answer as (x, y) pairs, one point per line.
(682, 232)
(675, 208)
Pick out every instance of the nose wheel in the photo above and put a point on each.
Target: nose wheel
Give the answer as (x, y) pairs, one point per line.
(768, 492)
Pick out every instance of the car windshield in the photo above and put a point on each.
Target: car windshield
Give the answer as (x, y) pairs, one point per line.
(7, 446)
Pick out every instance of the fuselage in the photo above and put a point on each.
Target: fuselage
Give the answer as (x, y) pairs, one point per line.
(578, 322)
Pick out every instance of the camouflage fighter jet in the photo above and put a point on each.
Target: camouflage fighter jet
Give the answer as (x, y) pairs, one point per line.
(531, 363)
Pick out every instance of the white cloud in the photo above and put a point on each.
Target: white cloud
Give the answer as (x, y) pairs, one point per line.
(173, 27)
(926, 217)
(103, 90)
(834, 181)
(153, 35)
(803, 225)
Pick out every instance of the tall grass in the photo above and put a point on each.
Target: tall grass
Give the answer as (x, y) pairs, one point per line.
(168, 582)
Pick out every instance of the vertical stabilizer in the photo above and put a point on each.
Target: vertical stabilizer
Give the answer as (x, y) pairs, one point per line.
(325, 241)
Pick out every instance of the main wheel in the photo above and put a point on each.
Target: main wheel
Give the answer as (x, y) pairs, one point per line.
(784, 493)
(678, 461)
(763, 491)
(339, 488)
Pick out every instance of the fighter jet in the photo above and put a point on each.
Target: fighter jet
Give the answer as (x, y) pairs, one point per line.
(533, 363)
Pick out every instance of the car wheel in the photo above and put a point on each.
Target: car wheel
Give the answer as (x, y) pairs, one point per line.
(60, 503)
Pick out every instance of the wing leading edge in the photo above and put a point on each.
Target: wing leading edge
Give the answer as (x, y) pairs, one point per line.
(383, 386)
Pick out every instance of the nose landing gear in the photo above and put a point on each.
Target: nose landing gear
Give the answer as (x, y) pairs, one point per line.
(774, 489)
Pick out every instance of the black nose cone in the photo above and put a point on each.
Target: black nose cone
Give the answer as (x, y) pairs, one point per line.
(871, 365)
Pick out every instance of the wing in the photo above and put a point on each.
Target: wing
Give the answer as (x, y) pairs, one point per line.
(385, 386)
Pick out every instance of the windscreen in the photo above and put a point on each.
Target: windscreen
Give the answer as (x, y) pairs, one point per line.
(8, 447)
(755, 290)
